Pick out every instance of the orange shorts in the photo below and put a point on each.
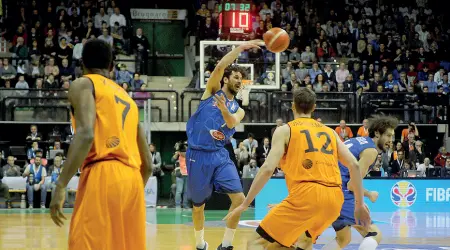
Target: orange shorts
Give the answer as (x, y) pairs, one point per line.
(109, 211)
(309, 207)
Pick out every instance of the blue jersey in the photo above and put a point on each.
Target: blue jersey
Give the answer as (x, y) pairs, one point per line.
(206, 129)
(356, 146)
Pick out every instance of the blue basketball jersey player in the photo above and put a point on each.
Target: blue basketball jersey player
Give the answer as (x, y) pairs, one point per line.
(209, 128)
(365, 150)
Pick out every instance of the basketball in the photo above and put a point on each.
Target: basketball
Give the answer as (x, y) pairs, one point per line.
(276, 40)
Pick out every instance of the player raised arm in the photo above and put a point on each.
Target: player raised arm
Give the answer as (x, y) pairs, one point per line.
(82, 99)
(280, 139)
(213, 84)
(348, 160)
(146, 156)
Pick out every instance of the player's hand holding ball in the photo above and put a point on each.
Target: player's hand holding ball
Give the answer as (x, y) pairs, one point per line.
(276, 40)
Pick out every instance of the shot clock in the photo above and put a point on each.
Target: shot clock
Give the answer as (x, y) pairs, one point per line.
(235, 17)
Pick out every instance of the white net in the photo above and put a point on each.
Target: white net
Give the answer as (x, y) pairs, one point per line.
(262, 66)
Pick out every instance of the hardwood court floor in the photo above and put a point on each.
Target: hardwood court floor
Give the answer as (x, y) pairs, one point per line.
(171, 229)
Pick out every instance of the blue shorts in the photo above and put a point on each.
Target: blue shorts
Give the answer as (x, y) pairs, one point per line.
(347, 215)
(210, 169)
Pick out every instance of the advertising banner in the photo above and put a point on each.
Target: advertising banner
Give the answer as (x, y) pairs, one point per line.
(415, 195)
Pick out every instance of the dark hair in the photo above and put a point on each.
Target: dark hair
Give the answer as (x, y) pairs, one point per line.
(97, 54)
(304, 100)
(251, 135)
(230, 69)
(380, 124)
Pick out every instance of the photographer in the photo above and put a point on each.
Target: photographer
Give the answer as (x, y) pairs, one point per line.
(180, 172)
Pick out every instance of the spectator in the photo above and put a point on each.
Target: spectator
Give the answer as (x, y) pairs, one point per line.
(117, 34)
(343, 131)
(123, 75)
(363, 131)
(51, 83)
(100, 18)
(55, 172)
(64, 52)
(263, 151)
(35, 51)
(301, 72)
(67, 72)
(314, 71)
(412, 128)
(242, 155)
(20, 50)
(249, 171)
(307, 56)
(5, 190)
(117, 17)
(325, 53)
(342, 73)
(89, 31)
(8, 72)
(140, 46)
(22, 84)
(441, 157)
(77, 52)
(36, 174)
(157, 163)
(106, 37)
(294, 57)
(251, 144)
(422, 168)
(397, 165)
(11, 169)
(51, 68)
(431, 84)
(34, 135)
(208, 31)
(136, 83)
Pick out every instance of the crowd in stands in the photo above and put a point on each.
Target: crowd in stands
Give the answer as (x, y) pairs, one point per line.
(45, 43)
(362, 47)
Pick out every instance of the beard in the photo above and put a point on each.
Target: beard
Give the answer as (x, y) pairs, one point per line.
(381, 146)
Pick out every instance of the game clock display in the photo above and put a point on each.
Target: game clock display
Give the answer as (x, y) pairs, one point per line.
(235, 17)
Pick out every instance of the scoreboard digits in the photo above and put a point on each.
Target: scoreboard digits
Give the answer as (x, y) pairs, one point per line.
(235, 17)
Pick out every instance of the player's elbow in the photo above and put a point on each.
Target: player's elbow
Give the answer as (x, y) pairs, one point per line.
(86, 134)
(266, 170)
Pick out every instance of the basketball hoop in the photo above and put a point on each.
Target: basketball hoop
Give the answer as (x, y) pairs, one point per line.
(244, 92)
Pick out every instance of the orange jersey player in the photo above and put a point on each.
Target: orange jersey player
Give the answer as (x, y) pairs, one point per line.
(110, 147)
(308, 153)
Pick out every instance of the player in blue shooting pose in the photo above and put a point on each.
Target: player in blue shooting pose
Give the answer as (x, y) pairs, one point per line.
(208, 162)
(366, 150)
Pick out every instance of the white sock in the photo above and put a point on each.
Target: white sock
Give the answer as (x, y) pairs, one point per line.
(228, 237)
(368, 243)
(199, 238)
(332, 245)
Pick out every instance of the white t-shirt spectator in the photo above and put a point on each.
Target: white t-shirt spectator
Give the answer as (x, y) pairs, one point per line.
(117, 18)
(251, 147)
(423, 169)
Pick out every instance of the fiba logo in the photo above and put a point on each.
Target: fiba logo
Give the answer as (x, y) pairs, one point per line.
(403, 194)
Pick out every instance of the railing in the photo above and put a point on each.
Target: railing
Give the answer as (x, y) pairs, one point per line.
(421, 108)
(263, 106)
